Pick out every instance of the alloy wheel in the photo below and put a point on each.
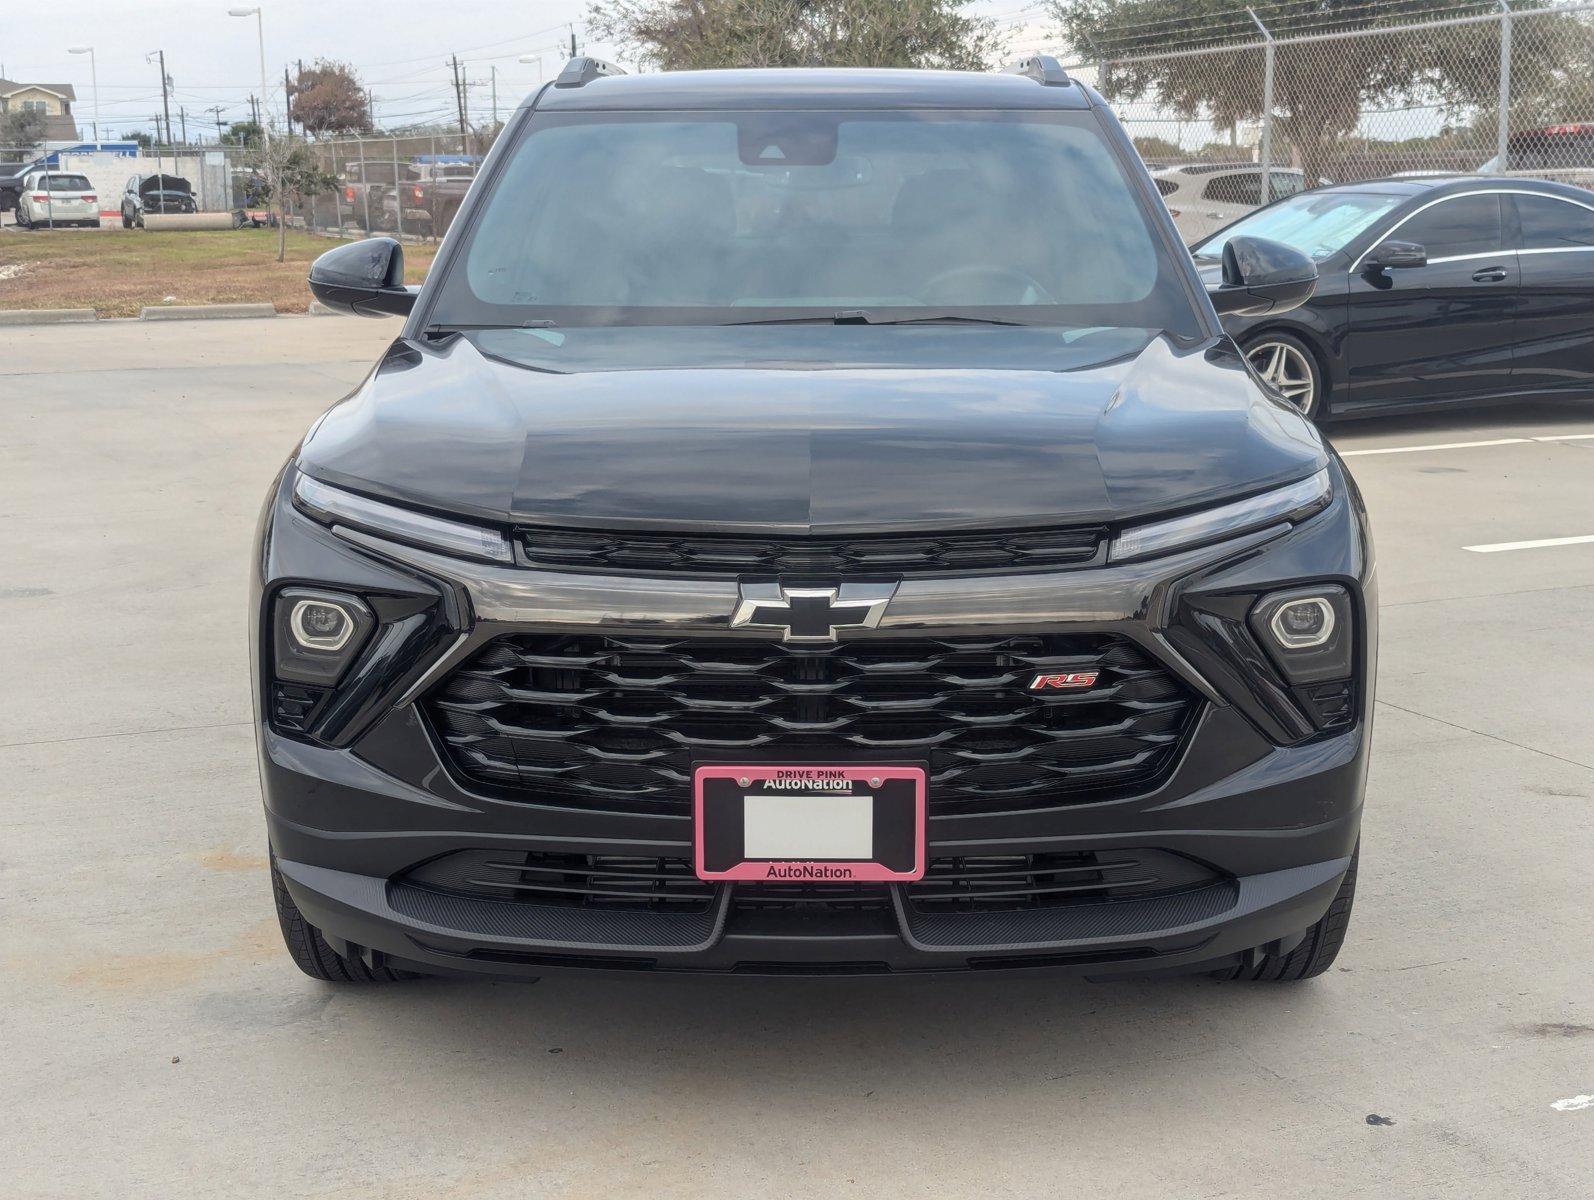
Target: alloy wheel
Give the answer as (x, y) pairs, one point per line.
(1286, 368)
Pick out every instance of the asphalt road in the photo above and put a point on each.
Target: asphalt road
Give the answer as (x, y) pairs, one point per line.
(156, 1041)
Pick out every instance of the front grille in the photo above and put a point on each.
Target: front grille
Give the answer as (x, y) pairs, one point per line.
(964, 884)
(1003, 883)
(893, 554)
(598, 881)
(620, 721)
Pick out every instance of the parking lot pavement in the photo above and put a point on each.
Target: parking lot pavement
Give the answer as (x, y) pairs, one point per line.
(159, 1042)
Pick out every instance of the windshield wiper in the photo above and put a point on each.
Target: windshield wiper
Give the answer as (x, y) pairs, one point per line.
(861, 316)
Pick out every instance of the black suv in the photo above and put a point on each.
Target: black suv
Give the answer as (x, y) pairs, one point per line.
(813, 522)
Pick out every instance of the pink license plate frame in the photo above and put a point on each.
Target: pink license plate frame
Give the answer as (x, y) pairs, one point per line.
(865, 778)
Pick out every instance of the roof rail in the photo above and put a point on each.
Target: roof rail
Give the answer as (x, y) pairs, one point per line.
(581, 71)
(1042, 68)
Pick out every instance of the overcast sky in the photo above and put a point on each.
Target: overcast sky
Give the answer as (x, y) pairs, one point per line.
(399, 47)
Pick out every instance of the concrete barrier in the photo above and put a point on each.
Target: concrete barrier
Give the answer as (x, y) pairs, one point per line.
(45, 316)
(204, 220)
(204, 312)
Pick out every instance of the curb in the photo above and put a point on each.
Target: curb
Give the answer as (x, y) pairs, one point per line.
(202, 312)
(46, 316)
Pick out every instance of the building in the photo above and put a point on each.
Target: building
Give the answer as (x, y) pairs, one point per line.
(53, 100)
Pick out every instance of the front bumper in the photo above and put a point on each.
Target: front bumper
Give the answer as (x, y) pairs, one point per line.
(348, 815)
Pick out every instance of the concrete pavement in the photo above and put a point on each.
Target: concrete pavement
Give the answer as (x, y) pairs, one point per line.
(158, 1042)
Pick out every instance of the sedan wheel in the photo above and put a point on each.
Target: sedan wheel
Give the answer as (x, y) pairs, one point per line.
(1287, 367)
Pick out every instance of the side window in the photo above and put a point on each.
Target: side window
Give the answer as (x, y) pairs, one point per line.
(1554, 224)
(1235, 189)
(1465, 225)
(1167, 186)
(1285, 183)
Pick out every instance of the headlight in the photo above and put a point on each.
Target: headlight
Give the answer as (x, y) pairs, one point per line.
(1295, 502)
(334, 506)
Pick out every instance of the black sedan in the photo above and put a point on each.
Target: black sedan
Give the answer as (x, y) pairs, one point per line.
(1431, 292)
(155, 194)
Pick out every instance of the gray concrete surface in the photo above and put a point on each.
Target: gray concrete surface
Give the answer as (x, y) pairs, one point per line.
(204, 312)
(157, 1041)
(45, 316)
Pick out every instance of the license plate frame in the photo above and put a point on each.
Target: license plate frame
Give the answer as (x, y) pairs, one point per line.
(815, 812)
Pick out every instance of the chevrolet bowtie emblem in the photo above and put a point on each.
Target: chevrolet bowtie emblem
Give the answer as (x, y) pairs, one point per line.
(812, 614)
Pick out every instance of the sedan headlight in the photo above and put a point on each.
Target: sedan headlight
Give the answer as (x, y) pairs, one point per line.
(1295, 502)
(334, 506)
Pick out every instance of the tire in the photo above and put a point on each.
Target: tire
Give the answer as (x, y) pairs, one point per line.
(310, 951)
(1290, 367)
(1317, 950)
(126, 224)
(22, 221)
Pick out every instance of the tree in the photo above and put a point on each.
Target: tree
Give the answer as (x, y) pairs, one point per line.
(677, 35)
(327, 97)
(291, 170)
(21, 129)
(242, 133)
(1321, 88)
(144, 140)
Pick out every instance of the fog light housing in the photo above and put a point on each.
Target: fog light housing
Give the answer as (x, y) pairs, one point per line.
(1307, 632)
(318, 634)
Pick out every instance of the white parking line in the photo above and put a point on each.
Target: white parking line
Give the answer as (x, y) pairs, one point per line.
(1509, 441)
(1434, 446)
(1496, 547)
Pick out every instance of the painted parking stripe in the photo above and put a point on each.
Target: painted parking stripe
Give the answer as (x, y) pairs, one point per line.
(1496, 547)
(1435, 446)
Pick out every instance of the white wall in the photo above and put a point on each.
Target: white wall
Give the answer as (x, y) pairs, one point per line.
(109, 173)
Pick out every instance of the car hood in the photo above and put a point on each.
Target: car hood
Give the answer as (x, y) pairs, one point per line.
(842, 450)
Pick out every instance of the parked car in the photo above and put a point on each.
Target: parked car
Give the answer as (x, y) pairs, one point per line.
(1204, 197)
(155, 194)
(11, 177)
(373, 190)
(1563, 153)
(52, 198)
(908, 575)
(1430, 292)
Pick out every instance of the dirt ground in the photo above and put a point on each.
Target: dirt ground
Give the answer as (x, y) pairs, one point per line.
(116, 272)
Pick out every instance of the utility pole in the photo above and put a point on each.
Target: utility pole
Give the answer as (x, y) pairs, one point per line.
(215, 111)
(287, 101)
(459, 101)
(572, 40)
(254, 111)
(182, 115)
(166, 104)
(495, 97)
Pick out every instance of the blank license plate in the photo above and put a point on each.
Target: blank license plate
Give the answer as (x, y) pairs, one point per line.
(809, 823)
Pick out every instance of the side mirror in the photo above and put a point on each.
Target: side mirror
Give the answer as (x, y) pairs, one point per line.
(1392, 256)
(1262, 276)
(364, 278)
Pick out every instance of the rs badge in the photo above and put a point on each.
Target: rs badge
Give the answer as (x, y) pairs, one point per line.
(1064, 682)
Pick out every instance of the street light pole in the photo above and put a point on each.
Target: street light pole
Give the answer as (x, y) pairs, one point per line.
(260, 34)
(94, 78)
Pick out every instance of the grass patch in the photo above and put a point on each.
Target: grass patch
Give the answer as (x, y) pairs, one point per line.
(116, 272)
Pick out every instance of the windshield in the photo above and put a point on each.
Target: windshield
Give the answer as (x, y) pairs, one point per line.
(717, 218)
(1315, 223)
(66, 183)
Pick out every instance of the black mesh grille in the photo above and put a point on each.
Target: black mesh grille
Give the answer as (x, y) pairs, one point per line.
(894, 554)
(1019, 881)
(620, 721)
(602, 881)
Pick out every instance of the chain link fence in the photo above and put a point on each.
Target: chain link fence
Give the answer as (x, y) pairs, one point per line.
(1478, 90)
